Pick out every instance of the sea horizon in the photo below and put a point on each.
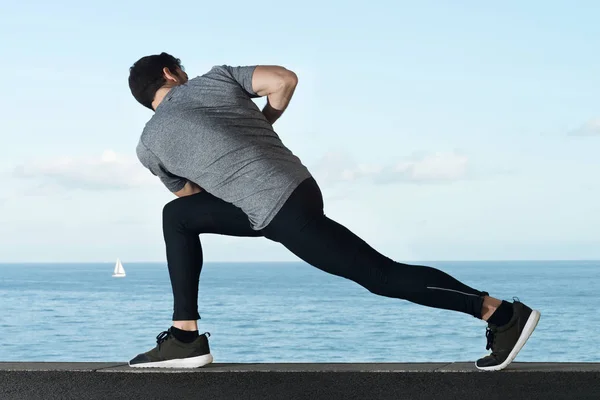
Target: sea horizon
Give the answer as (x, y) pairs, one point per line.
(286, 312)
(406, 261)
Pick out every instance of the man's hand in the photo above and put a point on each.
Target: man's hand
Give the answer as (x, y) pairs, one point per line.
(278, 84)
(189, 189)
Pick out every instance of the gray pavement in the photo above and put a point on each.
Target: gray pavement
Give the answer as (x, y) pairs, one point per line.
(291, 381)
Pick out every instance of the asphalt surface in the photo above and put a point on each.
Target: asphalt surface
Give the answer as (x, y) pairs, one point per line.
(299, 381)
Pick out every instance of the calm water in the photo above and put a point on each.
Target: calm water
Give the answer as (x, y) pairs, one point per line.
(286, 312)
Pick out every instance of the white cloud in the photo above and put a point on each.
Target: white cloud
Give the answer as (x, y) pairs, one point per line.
(113, 171)
(429, 168)
(109, 171)
(590, 128)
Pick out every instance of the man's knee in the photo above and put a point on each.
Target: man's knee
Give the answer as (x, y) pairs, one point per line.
(172, 213)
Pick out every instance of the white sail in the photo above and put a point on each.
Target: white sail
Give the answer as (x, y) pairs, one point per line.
(119, 271)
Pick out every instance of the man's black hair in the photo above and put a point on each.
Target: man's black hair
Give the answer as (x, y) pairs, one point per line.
(146, 76)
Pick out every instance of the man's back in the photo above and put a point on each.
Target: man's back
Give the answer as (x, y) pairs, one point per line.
(210, 132)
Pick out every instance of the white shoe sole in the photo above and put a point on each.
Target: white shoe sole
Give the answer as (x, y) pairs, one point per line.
(192, 362)
(530, 325)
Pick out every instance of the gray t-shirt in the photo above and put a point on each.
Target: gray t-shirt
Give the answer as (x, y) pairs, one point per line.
(210, 132)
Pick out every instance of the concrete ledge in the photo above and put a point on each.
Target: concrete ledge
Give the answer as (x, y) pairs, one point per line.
(291, 381)
(299, 367)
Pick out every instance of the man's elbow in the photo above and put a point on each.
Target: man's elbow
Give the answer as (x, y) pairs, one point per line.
(290, 78)
(285, 80)
(268, 79)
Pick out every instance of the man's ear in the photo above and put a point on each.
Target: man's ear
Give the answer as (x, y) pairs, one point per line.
(170, 76)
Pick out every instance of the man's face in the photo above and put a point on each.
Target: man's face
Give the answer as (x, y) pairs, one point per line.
(183, 76)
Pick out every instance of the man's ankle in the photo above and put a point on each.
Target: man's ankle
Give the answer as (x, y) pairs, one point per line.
(502, 315)
(490, 304)
(184, 336)
(186, 325)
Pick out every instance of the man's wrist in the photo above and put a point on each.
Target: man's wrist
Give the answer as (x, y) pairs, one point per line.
(271, 113)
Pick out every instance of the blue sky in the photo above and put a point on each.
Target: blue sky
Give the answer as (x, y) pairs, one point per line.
(438, 130)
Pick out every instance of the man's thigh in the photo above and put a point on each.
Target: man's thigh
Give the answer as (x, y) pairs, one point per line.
(205, 213)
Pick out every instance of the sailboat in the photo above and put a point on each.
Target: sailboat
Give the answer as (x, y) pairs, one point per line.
(119, 271)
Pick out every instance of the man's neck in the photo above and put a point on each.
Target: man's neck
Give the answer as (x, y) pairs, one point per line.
(160, 95)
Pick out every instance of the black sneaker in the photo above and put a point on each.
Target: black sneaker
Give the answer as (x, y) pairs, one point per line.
(172, 353)
(507, 340)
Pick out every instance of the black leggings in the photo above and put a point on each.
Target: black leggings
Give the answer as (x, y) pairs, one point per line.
(302, 227)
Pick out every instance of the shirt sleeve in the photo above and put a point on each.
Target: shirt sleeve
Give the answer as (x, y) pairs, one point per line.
(242, 75)
(172, 182)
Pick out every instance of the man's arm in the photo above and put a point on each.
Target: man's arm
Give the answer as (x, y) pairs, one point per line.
(189, 189)
(275, 82)
(278, 84)
(177, 185)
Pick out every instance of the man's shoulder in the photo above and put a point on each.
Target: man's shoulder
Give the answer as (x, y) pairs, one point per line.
(142, 150)
(213, 71)
(223, 71)
(220, 73)
(147, 137)
(218, 69)
(153, 125)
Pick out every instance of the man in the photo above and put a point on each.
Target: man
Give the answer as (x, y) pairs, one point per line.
(217, 151)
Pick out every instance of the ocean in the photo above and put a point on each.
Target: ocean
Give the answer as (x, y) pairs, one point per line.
(287, 312)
